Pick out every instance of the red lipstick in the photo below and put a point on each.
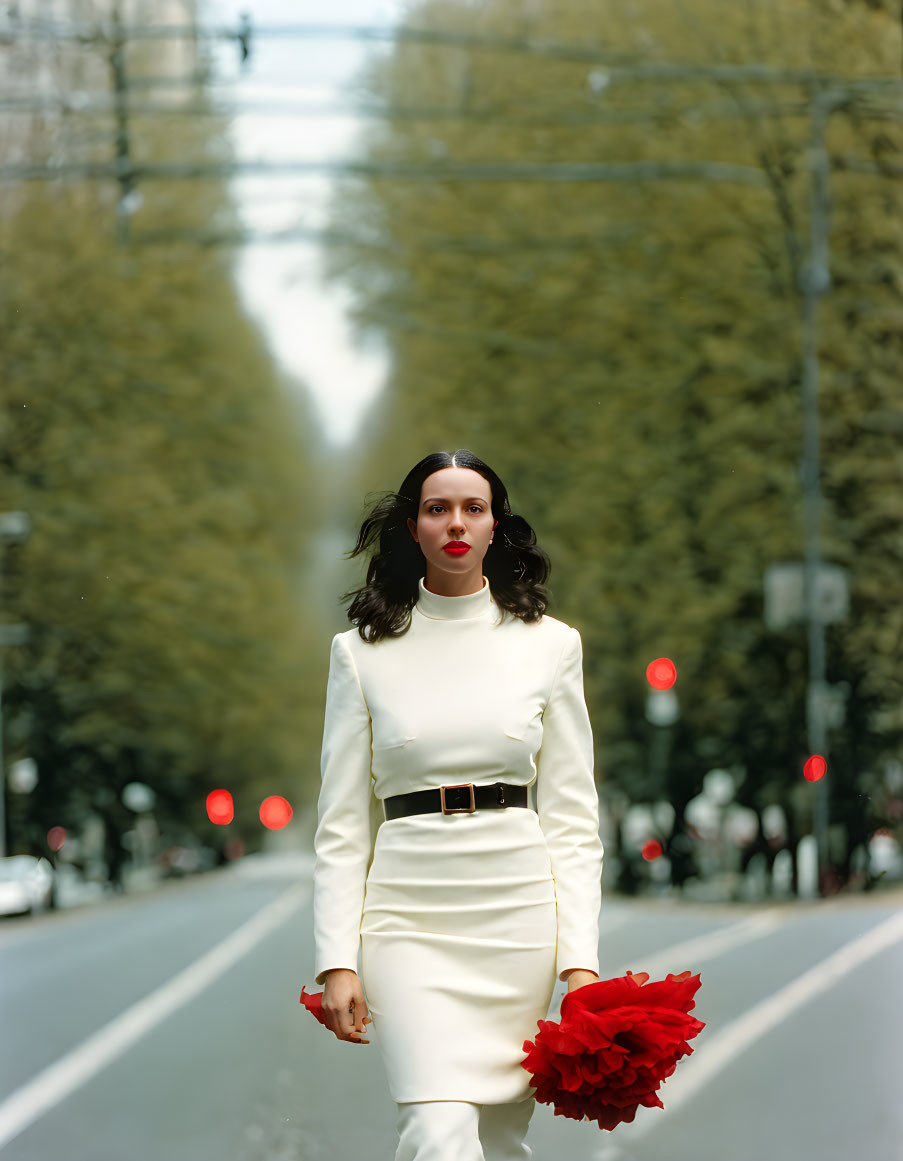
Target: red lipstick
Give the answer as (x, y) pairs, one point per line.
(456, 548)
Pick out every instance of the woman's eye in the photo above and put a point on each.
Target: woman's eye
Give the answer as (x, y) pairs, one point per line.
(434, 506)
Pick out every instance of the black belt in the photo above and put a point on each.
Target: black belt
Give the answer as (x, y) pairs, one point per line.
(463, 798)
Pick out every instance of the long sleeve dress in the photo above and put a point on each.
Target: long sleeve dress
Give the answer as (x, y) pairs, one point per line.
(462, 921)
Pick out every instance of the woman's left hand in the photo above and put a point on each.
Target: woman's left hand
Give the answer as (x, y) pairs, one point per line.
(578, 977)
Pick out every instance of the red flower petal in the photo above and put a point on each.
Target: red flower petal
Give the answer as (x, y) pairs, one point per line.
(313, 1001)
(615, 1044)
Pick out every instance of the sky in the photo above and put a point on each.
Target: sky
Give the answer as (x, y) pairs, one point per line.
(304, 323)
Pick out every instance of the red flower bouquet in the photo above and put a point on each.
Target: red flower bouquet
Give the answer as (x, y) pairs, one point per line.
(313, 1001)
(616, 1042)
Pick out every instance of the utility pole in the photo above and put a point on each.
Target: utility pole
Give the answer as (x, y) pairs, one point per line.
(130, 197)
(814, 592)
(816, 281)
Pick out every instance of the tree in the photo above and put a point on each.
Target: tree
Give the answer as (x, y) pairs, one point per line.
(161, 459)
(630, 350)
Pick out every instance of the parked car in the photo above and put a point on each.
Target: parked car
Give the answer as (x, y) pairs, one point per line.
(26, 884)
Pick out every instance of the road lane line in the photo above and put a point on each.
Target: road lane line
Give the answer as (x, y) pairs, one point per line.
(724, 1048)
(680, 956)
(290, 866)
(56, 1082)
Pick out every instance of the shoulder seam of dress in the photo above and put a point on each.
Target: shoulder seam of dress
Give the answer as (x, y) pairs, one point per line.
(341, 637)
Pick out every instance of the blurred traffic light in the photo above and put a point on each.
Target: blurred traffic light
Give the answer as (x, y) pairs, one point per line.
(275, 812)
(219, 807)
(661, 673)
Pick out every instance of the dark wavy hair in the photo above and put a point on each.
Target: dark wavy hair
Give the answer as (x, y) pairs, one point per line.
(515, 566)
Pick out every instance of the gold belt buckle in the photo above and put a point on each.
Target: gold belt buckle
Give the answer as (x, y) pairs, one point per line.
(457, 809)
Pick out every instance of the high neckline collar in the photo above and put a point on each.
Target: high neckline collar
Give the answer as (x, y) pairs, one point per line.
(440, 608)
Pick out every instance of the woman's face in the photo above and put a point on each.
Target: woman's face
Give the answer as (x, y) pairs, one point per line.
(455, 505)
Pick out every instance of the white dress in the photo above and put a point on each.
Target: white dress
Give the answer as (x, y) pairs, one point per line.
(463, 921)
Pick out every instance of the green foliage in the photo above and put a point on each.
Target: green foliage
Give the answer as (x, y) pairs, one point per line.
(628, 353)
(149, 438)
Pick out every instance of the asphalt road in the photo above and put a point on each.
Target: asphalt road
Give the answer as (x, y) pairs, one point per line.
(166, 1027)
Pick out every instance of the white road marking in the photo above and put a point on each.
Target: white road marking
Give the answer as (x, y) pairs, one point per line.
(691, 952)
(680, 956)
(289, 865)
(56, 1082)
(715, 1055)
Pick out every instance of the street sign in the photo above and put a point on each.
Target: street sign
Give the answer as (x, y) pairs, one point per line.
(785, 599)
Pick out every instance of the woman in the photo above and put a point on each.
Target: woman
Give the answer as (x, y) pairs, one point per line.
(461, 705)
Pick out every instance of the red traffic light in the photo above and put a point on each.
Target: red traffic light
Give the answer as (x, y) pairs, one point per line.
(661, 673)
(219, 807)
(275, 812)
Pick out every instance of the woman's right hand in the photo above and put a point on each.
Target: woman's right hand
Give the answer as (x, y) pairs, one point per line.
(344, 1006)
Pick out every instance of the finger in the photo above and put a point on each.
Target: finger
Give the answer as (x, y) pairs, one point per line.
(361, 1015)
(357, 1033)
(361, 1019)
